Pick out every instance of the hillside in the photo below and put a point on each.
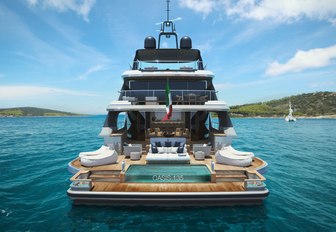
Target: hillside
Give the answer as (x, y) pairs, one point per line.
(32, 111)
(308, 104)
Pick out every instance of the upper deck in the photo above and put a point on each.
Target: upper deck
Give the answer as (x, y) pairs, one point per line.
(168, 59)
(173, 74)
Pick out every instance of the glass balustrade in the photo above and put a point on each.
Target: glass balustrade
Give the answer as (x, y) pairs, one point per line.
(183, 97)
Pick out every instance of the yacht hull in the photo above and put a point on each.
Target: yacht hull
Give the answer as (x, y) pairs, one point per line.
(168, 199)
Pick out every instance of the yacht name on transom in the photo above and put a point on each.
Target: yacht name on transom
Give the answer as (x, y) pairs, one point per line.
(167, 177)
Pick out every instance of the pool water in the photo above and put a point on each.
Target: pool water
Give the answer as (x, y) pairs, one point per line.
(165, 173)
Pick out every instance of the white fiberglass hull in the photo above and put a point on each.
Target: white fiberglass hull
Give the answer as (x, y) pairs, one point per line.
(290, 119)
(168, 198)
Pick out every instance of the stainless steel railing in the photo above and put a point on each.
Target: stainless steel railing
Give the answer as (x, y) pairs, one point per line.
(159, 96)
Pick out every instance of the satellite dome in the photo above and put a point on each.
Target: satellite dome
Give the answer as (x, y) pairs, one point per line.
(150, 42)
(185, 42)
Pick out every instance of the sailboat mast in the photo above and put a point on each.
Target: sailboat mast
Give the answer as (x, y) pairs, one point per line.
(290, 107)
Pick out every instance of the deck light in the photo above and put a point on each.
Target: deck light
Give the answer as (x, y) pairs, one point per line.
(123, 166)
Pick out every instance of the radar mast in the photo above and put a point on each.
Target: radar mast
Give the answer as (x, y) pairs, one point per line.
(168, 28)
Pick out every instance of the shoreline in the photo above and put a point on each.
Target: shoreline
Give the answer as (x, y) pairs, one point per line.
(274, 117)
(32, 116)
(299, 117)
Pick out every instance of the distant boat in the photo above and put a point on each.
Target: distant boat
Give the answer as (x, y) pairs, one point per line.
(290, 117)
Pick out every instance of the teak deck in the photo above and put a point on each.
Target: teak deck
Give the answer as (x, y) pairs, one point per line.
(168, 187)
(255, 164)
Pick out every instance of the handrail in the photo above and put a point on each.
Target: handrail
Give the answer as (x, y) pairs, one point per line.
(255, 180)
(163, 90)
(78, 174)
(179, 94)
(168, 65)
(253, 172)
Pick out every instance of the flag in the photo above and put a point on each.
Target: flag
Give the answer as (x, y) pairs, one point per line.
(169, 103)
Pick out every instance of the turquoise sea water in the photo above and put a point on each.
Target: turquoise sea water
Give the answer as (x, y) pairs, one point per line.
(34, 153)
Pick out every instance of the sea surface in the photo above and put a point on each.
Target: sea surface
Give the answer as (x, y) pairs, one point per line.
(34, 152)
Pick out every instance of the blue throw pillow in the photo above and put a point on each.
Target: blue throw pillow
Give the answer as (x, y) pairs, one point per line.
(155, 150)
(158, 144)
(180, 149)
(168, 144)
(177, 144)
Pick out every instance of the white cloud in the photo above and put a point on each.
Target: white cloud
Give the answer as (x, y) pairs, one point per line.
(302, 60)
(164, 45)
(21, 92)
(332, 21)
(81, 7)
(282, 10)
(204, 47)
(91, 70)
(223, 86)
(200, 6)
(32, 2)
(39, 52)
(323, 84)
(275, 10)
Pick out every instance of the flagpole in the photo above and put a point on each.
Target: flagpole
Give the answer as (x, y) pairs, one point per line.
(169, 102)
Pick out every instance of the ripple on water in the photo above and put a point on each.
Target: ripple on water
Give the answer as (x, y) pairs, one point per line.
(34, 153)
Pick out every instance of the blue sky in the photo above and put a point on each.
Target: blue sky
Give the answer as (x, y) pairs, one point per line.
(69, 54)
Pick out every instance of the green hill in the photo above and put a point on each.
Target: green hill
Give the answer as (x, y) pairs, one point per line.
(33, 111)
(308, 104)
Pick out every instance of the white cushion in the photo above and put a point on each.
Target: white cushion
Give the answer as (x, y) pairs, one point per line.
(162, 150)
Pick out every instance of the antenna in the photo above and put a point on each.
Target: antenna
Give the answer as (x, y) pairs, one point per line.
(168, 28)
(168, 10)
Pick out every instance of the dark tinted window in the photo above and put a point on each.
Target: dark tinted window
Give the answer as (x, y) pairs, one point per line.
(161, 84)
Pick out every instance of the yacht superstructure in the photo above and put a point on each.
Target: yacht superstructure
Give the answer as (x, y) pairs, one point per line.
(167, 138)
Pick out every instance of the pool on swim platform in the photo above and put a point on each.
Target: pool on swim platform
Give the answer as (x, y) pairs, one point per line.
(166, 173)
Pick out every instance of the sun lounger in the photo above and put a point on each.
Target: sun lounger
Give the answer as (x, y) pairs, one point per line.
(235, 152)
(225, 157)
(96, 152)
(106, 157)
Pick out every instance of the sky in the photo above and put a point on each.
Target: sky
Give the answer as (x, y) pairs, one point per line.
(69, 54)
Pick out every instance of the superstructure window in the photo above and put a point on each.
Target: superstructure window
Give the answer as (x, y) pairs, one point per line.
(188, 65)
(214, 120)
(161, 84)
(121, 120)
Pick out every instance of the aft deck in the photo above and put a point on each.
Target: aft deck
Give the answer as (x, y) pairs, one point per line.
(113, 182)
(256, 163)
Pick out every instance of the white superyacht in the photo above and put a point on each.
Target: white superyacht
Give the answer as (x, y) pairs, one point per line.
(167, 139)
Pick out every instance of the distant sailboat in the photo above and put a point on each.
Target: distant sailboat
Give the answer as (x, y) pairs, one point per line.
(290, 117)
